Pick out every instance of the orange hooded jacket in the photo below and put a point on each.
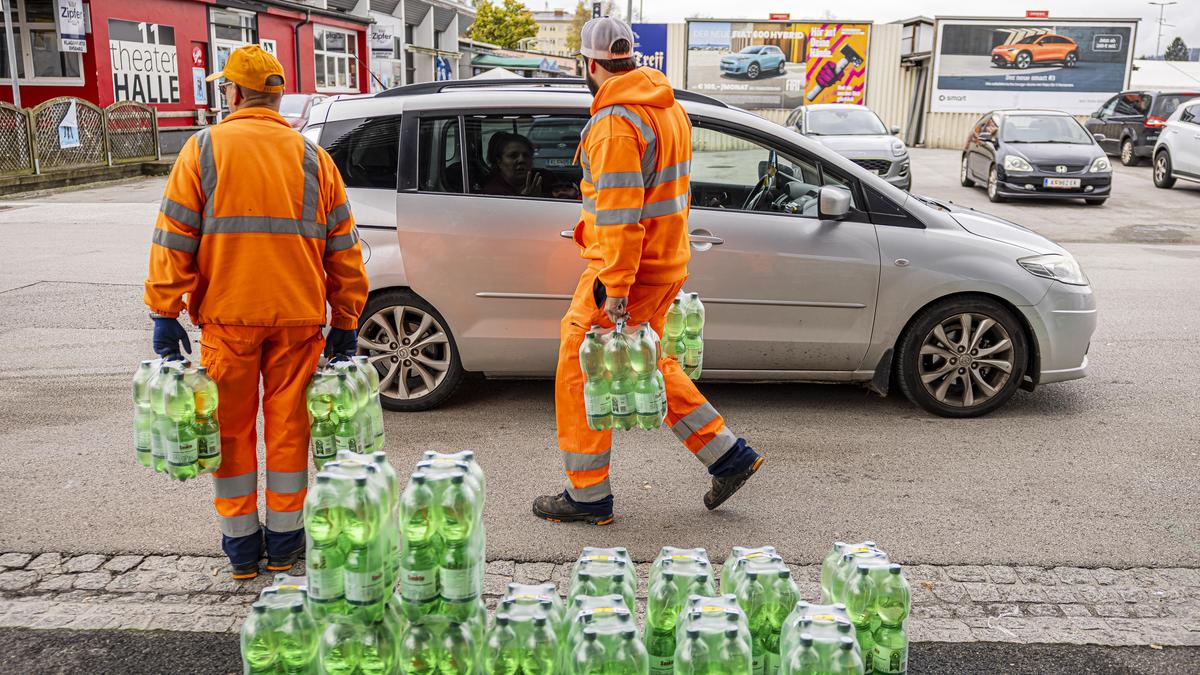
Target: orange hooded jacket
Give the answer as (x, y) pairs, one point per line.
(636, 152)
(255, 229)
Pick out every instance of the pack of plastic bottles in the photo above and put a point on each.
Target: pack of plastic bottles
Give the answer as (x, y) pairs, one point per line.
(601, 638)
(814, 639)
(877, 600)
(527, 632)
(713, 636)
(676, 575)
(175, 428)
(623, 388)
(603, 571)
(767, 594)
(344, 410)
(280, 635)
(684, 340)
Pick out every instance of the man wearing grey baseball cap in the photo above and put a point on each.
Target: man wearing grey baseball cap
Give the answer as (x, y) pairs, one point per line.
(636, 154)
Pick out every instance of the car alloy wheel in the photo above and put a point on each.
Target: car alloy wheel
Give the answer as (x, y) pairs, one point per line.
(1162, 170)
(964, 173)
(407, 342)
(783, 67)
(1127, 156)
(1024, 60)
(752, 71)
(965, 360)
(993, 186)
(1072, 59)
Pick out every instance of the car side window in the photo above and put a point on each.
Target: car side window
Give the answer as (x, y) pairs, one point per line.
(1107, 109)
(439, 168)
(366, 151)
(524, 155)
(733, 172)
(1189, 115)
(1127, 105)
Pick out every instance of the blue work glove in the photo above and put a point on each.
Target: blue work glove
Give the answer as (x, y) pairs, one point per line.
(341, 342)
(170, 339)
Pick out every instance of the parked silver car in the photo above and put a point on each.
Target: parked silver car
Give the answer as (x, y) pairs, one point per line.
(812, 269)
(857, 133)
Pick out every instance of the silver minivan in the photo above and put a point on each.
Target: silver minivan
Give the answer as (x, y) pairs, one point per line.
(811, 268)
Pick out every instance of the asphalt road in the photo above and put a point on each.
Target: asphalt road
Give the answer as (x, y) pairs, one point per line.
(153, 652)
(1099, 472)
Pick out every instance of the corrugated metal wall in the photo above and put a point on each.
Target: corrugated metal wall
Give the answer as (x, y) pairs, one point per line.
(890, 85)
(948, 130)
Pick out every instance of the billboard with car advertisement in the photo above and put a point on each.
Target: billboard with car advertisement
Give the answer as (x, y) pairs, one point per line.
(1069, 65)
(778, 64)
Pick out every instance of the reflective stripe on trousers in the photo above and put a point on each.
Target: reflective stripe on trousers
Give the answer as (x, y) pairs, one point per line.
(586, 453)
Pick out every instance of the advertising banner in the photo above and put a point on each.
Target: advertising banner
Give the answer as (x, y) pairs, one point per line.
(382, 38)
(778, 64)
(68, 128)
(145, 65)
(1073, 66)
(71, 26)
(650, 46)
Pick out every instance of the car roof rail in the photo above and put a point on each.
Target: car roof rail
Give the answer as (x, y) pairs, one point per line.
(422, 88)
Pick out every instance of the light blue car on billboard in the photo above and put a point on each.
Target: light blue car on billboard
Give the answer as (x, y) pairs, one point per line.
(754, 61)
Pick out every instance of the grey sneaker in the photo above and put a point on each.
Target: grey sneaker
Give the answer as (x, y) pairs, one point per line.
(723, 487)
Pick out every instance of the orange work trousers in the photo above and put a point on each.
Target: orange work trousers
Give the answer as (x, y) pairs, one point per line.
(285, 358)
(585, 451)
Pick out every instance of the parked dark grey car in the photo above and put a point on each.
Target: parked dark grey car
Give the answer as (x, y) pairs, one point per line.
(1131, 121)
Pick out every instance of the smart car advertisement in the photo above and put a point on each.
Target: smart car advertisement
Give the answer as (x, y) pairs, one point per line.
(778, 64)
(1073, 66)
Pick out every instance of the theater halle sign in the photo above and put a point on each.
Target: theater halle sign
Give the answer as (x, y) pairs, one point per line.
(145, 64)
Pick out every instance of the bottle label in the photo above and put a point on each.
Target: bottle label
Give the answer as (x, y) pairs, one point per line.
(141, 439)
(346, 443)
(621, 404)
(647, 404)
(209, 445)
(889, 660)
(691, 358)
(323, 447)
(598, 406)
(326, 584)
(182, 453)
(662, 665)
(156, 443)
(458, 584)
(771, 664)
(364, 588)
(758, 665)
(418, 585)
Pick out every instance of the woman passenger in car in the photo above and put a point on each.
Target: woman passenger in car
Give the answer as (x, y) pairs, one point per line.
(511, 158)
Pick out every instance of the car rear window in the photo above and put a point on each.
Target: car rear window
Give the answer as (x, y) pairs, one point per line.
(1167, 103)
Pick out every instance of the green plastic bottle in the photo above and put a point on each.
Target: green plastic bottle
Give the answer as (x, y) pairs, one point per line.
(340, 651)
(179, 403)
(893, 600)
(597, 398)
(379, 654)
(861, 592)
(325, 571)
(143, 414)
(618, 359)
(502, 654)
(646, 390)
(673, 344)
(346, 434)
(804, 660)
(370, 376)
(321, 429)
(260, 646)
(298, 641)
(693, 335)
(420, 549)
(208, 431)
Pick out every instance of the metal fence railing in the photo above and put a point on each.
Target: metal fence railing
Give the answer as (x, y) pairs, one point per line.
(16, 154)
(68, 133)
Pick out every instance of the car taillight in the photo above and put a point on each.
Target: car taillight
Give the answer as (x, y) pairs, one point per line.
(1155, 122)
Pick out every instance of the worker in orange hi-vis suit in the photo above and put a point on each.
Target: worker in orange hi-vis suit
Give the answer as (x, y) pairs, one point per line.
(636, 153)
(255, 230)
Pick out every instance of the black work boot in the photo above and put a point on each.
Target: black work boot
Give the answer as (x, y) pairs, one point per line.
(723, 487)
(560, 508)
(284, 563)
(244, 571)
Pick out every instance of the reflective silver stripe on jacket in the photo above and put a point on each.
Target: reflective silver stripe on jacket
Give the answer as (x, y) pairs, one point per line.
(650, 156)
(337, 215)
(716, 448)
(670, 173)
(312, 183)
(618, 216)
(694, 421)
(180, 213)
(285, 521)
(208, 171)
(619, 179)
(239, 526)
(286, 482)
(263, 225)
(230, 487)
(578, 461)
(342, 242)
(175, 242)
(665, 207)
(590, 493)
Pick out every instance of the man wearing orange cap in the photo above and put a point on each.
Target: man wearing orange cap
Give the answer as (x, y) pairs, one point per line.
(256, 231)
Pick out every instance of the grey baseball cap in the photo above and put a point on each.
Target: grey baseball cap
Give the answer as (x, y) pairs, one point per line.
(598, 35)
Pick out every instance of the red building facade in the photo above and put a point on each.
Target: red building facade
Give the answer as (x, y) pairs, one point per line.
(159, 51)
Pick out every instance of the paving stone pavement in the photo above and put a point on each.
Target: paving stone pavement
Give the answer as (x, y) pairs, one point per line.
(951, 603)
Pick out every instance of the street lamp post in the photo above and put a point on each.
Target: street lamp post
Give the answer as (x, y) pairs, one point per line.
(1161, 8)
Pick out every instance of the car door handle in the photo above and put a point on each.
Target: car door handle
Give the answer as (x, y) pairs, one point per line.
(705, 239)
(567, 234)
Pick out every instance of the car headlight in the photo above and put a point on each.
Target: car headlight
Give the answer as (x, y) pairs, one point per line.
(1014, 163)
(1100, 164)
(898, 149)
(1057, 266)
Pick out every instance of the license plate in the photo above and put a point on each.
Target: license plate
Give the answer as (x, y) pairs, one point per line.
(1060, 182)
(558, 162)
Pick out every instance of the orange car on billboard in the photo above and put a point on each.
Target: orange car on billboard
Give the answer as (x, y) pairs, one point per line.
(1038, 48)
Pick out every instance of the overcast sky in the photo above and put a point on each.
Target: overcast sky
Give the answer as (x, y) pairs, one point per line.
(1184, 16)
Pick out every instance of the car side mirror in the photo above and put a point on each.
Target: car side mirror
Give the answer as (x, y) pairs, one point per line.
(833, 203)
(1099, 137)
(895, 129)
(985, 137)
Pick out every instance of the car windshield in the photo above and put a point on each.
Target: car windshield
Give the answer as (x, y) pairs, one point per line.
(1028, 40)
(292, 105)
(750, 50)
(844, 122)
(1043, 129)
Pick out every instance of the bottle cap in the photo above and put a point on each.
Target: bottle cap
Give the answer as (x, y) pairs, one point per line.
(419, 478)
(360, 481)
(839, 606)
(847, 643)
(693, 633)
(731, 632)
(296, 609)
(843, 625)
(457, 479)
(590, 634)
(784, 574)
(894, 568)
(806, 639)
(629, 634)
(539, 621)
(863, 570)
(323, 478)
(147, 362)
(502, 619)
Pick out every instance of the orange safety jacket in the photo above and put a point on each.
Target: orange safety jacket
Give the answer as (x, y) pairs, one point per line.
(636, 152)
(255, 229)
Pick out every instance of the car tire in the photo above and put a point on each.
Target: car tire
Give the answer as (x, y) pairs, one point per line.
(783, 67)
(924, 367)
(1023, 60)
(1096, 202)
(1128, 156)
(752, 71)
(993, 186)
(396, 321)
(1072, 60)
(1162, 171)
(964, 173)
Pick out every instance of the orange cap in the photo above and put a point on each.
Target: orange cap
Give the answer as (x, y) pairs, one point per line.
(250, 66)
